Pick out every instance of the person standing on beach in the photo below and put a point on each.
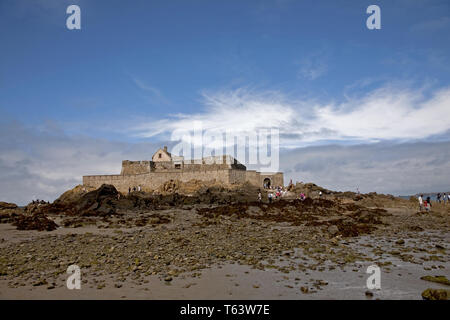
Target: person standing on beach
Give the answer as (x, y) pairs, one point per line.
(428, 204)
(259, 196)
(444, 198)
(420, 202)
(438, 197)
(270, 197)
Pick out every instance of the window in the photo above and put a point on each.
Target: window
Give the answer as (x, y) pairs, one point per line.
(178, 166)
(159, 155)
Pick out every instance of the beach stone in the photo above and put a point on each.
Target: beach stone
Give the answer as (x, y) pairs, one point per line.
(369, 294)
(435, 294)
(333, 230)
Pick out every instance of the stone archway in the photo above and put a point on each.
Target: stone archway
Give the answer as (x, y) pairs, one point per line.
(267, 183)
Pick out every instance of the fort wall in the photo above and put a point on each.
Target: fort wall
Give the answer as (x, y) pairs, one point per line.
(135, 167)
(153, 180)
(252, 177)
(150, 175)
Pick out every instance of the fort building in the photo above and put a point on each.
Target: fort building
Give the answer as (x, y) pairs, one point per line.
(151, 174)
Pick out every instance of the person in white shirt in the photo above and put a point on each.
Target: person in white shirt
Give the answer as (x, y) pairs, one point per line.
(420, 202)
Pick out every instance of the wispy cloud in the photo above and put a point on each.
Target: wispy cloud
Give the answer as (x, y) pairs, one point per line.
(313, 66)
(153, 94)
(387, 113)
(441, 23)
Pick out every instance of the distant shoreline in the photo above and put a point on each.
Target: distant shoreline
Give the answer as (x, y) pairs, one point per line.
(432, 195)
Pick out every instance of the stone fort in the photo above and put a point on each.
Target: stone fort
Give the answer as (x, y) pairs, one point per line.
(164, 166)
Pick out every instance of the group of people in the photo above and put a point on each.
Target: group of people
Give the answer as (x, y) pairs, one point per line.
(40, 202)
(444, 198)
(277, 193)
(426, 204)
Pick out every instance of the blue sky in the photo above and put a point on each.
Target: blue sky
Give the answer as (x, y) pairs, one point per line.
(312, 66)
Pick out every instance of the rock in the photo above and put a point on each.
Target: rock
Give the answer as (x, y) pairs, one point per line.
(7, 205)
(34, 222)
(437, 279)
(400, 242)
(168, 279)
(333, 230)
(40, 282)
(435, 294)
(369, 294)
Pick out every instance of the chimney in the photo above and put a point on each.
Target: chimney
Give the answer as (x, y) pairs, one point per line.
(165, 148)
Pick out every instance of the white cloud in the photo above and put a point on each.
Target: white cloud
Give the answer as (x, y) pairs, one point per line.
(237, 111)
(388, 113)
